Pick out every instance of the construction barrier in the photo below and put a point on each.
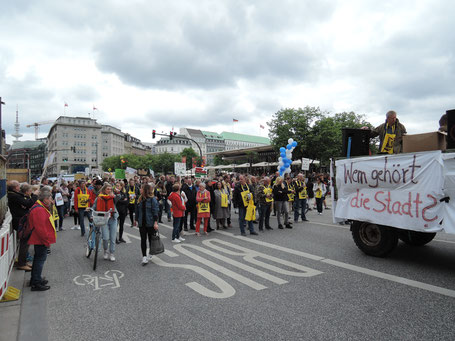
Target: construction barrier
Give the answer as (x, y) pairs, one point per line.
(7, 252)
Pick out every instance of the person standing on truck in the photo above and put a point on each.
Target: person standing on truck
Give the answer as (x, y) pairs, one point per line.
(390, 134)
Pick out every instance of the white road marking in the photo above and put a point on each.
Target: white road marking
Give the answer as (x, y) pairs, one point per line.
(382, 275)
(392, 278)
(226, 289)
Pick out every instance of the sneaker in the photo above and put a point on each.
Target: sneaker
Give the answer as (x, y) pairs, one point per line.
(253, 233)
(269, 228)
(176, 241)
(243, 234)
(40, 287)
(106, 255)
(150, 257)
(197, 234)
(280, 227)
(288, 226)
(78, 227)
(61, 229)
(117, 241)
(75, 227)
(181, 239)
(145, 260)
(320, 213)
(121, 240)
(112, 258)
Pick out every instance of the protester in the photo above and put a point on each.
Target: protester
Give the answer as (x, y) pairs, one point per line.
(121, 203)
(133, 193)
(19, 202)
(390, 134)
(280, 198)
(190, 192)
(103, 203)
(83, 199)
(319, 190)
(203, 208)
(43, 235)
(59, 204)
(221, 201)
(178, 211)
(265, 200)
(147, 218)
(242, 196)
(300, 199)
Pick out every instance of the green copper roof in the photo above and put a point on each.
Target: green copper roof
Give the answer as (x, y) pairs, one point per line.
(245, 138)
(212, 135)
(26, 144)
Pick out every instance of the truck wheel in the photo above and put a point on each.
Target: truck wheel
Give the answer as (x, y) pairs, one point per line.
(374, 240)
(416, 238)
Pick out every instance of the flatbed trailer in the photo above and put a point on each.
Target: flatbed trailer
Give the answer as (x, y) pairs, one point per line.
(385, 198)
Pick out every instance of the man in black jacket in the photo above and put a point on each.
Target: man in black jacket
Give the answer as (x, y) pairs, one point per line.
(19, 205)
(242, 195)
(190, 191)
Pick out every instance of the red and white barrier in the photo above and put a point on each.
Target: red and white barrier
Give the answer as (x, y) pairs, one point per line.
(7, 252)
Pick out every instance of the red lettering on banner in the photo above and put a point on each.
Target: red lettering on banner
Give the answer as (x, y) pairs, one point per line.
(396, 208)
(435, 202)
(379, 201)
(360, 202)
(417, 202)
(3, 246)
(406, 207)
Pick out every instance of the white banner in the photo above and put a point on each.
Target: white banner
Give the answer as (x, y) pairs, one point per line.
(130, 170)
(449, 189)
(180, 168)
(402, 190)
(305, 164)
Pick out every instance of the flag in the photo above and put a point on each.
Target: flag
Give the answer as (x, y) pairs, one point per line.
(94, 108)
(262, 127)
(66, 104)
(234, 120)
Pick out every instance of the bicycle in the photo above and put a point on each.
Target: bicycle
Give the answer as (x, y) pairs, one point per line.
(96, 219)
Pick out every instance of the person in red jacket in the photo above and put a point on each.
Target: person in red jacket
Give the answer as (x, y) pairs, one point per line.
(203, 208)
(41, 222)
(178, 211)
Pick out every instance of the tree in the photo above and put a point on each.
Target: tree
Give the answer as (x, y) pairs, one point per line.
(111, 162)
(189, 153)
(326, 134)
(218, 160)
(295, 123)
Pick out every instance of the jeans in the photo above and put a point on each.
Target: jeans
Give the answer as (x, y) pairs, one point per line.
(82, 213)
(131, 209)
(109, 233)
(121, 222)
(299, 204)
(23, 250)
(264, 215)
(38, 263)
(242, 221)
(146, 232)
(66, 207)
(282, 208)
(176, 229)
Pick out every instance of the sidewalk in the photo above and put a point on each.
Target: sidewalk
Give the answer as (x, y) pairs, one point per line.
(10, 312)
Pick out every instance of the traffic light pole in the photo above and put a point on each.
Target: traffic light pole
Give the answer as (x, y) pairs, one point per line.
(183, 138)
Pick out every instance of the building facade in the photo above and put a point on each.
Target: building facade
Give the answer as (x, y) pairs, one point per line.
(241, 141)
(133, 145)
(74, 143)
(27, 155)
(174, 146)
(214, 143)
(113, 142)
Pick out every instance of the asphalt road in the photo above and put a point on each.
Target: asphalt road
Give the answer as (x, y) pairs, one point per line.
(307, 283)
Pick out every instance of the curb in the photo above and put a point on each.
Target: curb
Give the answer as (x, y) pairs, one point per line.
(10, 312)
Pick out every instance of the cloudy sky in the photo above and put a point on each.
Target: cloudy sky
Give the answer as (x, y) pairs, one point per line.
(161, 64)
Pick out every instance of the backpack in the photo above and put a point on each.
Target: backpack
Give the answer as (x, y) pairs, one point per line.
(23, 230)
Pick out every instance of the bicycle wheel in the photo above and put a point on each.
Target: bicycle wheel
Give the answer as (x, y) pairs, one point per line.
(97, 245)
(89, 246)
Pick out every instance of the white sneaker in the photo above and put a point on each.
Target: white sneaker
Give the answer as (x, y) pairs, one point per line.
(320, 213)
(176, 241)
(78, 227)
(75, 227)
(106, 255)
(144, 260)
(150, 257)
(181, 239)
(112, 258)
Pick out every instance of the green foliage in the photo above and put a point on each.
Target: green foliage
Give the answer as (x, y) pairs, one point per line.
(163, 163)
(318, 134)
(190, 153)
(295, 123)
(218, 160)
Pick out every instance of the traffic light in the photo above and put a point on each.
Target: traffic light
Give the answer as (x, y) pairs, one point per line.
(153, 133)
(171, 134)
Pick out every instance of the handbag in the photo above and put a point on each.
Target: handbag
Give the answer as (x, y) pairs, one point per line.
(250, 212)
(156, 245)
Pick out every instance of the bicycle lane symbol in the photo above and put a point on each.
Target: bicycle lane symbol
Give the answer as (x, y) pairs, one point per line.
(110, 279)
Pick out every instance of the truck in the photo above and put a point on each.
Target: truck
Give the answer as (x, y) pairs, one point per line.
(386, 198)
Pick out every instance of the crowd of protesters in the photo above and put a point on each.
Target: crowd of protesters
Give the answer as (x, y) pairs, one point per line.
(186, 201)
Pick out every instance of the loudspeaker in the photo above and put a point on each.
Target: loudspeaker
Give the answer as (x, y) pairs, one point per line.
(360, 141)
(450, 129)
